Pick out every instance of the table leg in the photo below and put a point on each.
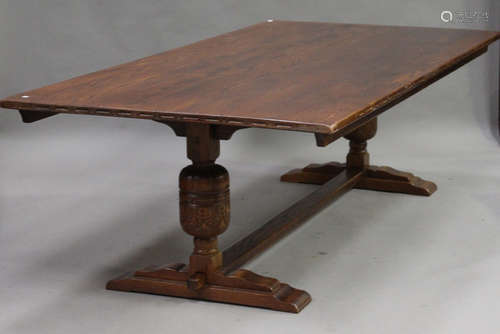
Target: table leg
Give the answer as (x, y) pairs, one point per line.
(204, 214)
(374, 178)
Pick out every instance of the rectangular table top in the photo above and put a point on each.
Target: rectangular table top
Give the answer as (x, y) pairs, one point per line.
(304, 76)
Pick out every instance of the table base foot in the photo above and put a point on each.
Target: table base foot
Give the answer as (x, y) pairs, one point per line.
(374, 178)
(241, 287)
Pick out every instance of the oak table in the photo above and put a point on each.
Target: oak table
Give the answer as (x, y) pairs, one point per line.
(324, 78)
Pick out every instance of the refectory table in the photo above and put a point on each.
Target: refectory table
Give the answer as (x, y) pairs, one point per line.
(324, 78)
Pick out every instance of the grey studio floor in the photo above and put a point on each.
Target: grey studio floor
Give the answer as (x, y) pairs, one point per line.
(84, 199)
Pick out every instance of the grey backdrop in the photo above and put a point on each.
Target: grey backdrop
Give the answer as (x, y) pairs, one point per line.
(83, 199)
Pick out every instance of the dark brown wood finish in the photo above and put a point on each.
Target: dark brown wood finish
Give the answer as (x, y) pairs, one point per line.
(287, 221)
(373, 177)
(29, 116)
(305, 76)
(323, 139)
(204, 214)
(223, 132)
(205, 210)
(330, 79)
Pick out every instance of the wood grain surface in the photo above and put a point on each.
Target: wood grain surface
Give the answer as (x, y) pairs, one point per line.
(304, 76)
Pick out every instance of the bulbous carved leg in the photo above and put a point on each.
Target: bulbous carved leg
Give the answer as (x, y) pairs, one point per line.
(374, 178)
(204, 213)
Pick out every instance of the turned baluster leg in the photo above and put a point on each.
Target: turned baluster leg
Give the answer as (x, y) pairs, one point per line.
(381, 178)
(204, 214)
(374, 178)
(204, 203)
(358, 157)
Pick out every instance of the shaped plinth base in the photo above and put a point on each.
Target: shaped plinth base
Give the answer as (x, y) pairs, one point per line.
(241, 287)
(374, 178)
